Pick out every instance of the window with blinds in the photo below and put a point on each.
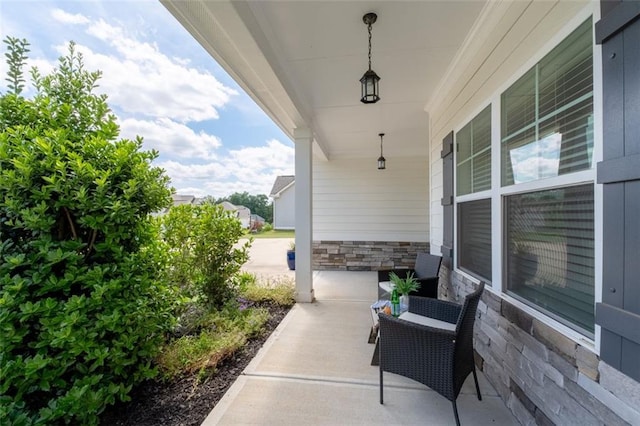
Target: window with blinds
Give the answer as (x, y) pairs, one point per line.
(547, 115)
(474, 238)
(547, 225)
(473, 165)
(549, 252)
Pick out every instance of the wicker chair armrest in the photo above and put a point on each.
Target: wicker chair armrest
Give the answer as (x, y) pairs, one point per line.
(395, 324)
(428, 281)
(442, 310)
(414, 338)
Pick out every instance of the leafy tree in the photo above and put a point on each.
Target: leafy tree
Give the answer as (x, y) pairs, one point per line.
(205, 256)
(258, 204)
(83, 307)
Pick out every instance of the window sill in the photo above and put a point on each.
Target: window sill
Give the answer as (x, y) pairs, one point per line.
(569, 333)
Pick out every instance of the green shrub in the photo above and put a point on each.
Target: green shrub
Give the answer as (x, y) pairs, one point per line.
(243, 280)
(83, 307)
(205, 255)
(267, 227)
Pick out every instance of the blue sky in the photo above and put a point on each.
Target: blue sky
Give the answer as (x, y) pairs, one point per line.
(162, 85)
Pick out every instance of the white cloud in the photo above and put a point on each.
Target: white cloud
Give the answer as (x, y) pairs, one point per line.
(251, 169)
(192, 172)
(140, 80)
(536, 160)
(68, 18)
(265, 157)
(159, 82)
(171, 139)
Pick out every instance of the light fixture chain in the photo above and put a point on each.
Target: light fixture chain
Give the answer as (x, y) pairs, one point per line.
(369, 28)
(369, 81)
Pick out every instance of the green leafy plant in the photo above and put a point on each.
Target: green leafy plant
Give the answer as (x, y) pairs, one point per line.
(205, 255)
(206, 336)
(404, 285)
(83, 301)
(221, 333)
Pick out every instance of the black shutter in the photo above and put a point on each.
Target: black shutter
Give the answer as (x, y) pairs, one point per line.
(447, 201)
(619, 172)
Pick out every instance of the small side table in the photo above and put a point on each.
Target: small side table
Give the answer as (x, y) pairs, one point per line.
(373, 334)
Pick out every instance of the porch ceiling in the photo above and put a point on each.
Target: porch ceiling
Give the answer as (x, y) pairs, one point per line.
(301, 62)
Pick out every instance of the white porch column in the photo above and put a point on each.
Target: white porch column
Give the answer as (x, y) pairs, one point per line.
(303, 139)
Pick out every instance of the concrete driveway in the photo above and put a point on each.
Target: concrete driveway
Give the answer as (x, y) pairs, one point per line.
(268, 257)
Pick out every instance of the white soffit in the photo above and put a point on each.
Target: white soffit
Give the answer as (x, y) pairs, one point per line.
(301, 62)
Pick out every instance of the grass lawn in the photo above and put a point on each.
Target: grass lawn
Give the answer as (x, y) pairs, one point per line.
(273, 234)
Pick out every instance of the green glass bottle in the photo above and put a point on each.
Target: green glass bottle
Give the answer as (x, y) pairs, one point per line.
(395, 303)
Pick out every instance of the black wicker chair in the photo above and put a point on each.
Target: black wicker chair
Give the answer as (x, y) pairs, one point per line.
(425, 270)
(440, 354)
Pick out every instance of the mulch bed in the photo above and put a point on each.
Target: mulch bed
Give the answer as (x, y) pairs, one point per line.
(188, 400)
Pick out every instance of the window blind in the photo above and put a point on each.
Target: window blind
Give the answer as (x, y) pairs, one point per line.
(473, 166)
(474, 237)
(550, 252)
(547, 115)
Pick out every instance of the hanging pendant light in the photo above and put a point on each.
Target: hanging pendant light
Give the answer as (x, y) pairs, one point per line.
(382, 163)
(369, 82)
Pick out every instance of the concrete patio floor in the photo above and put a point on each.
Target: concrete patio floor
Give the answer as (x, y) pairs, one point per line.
(315, 370)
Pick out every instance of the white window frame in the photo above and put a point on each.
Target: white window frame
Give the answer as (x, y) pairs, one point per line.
(473, 155)
(473, 196)
(497, 193)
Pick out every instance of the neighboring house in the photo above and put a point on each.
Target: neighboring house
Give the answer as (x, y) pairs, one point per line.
(181, 199)
(284, 202)
(243, 213)
(512, 132)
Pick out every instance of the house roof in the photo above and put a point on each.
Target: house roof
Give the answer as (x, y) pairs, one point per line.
(179, 199)
(232, 207)
(281, 183)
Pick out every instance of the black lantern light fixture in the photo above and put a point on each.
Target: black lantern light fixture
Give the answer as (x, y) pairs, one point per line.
(382, 163)
(369, 81)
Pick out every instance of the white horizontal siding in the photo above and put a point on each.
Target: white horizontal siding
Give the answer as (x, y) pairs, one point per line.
(354, 201)
(510, 40)
(525, 31)
(284, 208)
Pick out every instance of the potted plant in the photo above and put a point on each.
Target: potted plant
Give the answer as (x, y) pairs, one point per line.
(291, 256)
(404, 286)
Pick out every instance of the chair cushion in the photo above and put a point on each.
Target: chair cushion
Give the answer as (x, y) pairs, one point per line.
(429, 322)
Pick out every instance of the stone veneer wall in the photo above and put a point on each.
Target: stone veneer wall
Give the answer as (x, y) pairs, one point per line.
(365, 255)
(543, 377)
